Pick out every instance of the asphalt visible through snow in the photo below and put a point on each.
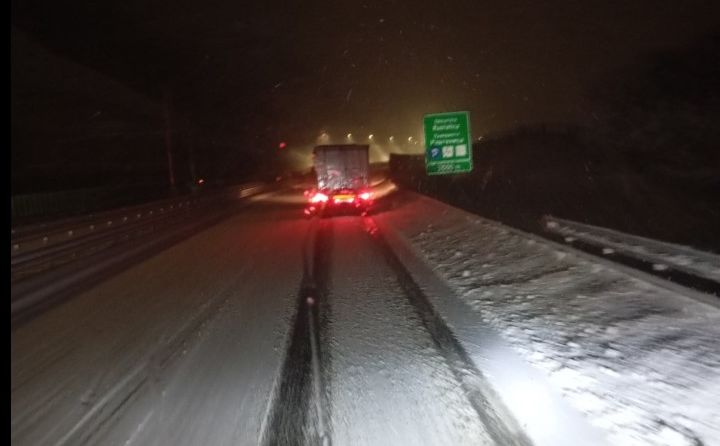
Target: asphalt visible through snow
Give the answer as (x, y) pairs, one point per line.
(369, 361)
(265, 329)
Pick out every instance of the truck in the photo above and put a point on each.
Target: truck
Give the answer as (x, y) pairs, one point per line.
(342, 172)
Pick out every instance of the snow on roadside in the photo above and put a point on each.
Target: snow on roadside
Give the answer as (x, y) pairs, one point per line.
(639, 361)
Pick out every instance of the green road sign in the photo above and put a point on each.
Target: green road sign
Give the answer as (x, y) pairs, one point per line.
(447, 143)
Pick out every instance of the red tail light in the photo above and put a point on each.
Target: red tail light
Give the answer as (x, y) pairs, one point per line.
(319, 197)
(366, 196)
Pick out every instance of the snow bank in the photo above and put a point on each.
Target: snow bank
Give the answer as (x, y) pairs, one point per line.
(639, 361)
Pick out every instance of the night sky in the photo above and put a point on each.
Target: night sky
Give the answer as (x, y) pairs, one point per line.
(287, 71)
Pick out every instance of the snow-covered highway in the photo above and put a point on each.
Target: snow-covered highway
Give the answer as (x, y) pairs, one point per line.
(421, 324)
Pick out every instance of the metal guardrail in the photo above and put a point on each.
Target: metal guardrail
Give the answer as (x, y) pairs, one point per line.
(24, 206)
(39, 236)
(51, 259)
(661, 254)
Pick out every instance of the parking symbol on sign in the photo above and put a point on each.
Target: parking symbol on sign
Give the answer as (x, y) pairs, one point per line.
(448, 149)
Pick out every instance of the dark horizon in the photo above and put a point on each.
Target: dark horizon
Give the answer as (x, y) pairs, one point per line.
(239, 79)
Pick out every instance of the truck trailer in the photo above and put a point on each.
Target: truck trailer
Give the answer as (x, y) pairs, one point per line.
(342, 172)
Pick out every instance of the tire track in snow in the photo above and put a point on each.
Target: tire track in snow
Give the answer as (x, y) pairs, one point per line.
(298, 415)
(498, 421)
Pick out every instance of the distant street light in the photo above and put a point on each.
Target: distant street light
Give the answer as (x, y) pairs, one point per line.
(324, 137)
(392, 138)
(370, 136)
(349, 135)
(410, 138)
